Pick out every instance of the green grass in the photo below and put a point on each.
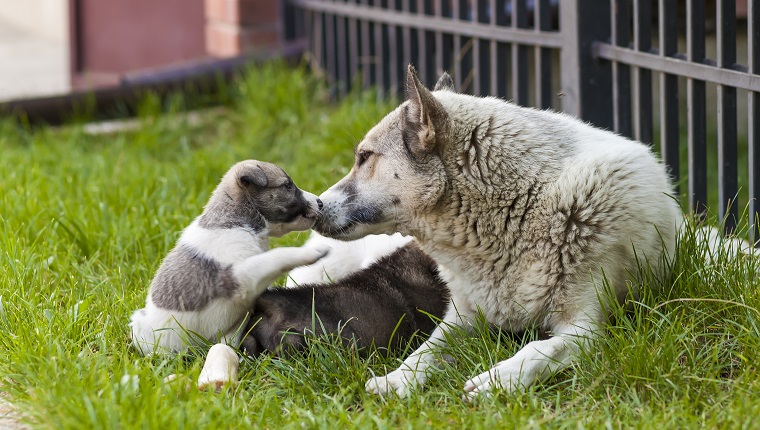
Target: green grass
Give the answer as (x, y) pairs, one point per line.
(86, 219)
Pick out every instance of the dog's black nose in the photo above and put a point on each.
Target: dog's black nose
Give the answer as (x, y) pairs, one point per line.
(319, 204)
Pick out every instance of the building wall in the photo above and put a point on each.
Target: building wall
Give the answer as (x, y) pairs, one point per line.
(34, 48)
(45, 18)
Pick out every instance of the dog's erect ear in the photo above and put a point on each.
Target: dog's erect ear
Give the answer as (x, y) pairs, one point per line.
(423, 114)
(255, 177)
(445, 83)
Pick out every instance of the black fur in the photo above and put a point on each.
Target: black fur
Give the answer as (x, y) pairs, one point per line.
(396, 293)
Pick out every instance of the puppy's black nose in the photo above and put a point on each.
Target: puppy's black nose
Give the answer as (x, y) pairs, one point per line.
(319, 204)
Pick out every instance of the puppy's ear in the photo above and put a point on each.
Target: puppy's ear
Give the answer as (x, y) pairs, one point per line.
(423, 115)
(255, 177)
(445, 83)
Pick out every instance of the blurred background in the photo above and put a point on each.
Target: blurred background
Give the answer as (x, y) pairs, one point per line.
(51, 47)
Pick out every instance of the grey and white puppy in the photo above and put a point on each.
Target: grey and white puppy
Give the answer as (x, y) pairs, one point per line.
(221, 262)
(383, 305)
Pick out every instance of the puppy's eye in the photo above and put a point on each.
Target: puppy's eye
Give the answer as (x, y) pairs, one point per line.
(362, 157)
(290, 186)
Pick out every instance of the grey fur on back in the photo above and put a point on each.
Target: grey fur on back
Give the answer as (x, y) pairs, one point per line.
(188, 281)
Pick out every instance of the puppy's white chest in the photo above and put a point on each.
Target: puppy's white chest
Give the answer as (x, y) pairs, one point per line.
(226, 246)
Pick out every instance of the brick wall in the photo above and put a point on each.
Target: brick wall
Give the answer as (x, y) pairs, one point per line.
(234, 27)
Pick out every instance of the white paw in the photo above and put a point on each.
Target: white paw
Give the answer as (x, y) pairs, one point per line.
(500, 376)
(220, 369)
(395, 382)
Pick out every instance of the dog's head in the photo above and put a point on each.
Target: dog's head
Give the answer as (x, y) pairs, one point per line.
(261, 195)
(397, 171)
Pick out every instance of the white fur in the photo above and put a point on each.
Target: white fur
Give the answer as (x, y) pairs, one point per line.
(345, 257)
(154, 329)
(226, 246)
(220, 369)
(525, 212)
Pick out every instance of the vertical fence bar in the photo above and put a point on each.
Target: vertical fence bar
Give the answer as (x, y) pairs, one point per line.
(317, 39)
(492, 49)
(447, 42)
(485, 49)
(291, 25)
(366, 53)
(422, 43)
(502, 51)
(642, 100)
(416, 34)
(432, 50)
(465, 57)
(330, 51)
(520, 83)
(753, 125)
(669, 132)
(483, 62)
(354, 39)
(342, 79)
(586, 80)
(439, 66)
(543, 60)
(406, 36)
(695, 107)
(475, 47)
(621, 73)
(727, 174)
(458, 78)
(380, 55)
(395, 49)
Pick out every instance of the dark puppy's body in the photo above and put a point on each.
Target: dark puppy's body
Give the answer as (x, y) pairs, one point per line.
(383, 305)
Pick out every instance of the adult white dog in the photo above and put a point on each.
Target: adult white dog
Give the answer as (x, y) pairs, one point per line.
(525, 211)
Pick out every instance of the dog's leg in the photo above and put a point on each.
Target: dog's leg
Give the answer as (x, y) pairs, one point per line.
(535, 361)
(255, 274)
(413, 371)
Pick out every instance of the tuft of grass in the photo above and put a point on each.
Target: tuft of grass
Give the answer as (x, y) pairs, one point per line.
(87, 219)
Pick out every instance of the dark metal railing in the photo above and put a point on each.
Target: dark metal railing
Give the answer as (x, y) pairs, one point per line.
(591, 58)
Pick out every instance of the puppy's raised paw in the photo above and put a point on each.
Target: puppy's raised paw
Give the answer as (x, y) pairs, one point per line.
(317, 253)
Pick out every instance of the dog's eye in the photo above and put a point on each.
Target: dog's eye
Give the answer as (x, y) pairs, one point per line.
(362, 157)
(290, 186)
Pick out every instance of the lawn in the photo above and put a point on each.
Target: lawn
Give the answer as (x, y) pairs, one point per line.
(87, 218)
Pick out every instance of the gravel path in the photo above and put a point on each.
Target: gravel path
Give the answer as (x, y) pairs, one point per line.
(9, 417)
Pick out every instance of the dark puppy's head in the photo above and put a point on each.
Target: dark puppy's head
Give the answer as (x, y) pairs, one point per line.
(261, 194)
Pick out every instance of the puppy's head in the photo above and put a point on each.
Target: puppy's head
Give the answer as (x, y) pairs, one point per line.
(263, 191)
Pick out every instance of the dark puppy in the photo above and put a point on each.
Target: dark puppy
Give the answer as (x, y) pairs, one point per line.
(383, 305)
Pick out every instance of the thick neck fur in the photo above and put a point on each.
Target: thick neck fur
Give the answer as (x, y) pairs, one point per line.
(490, 186)
(485, 149)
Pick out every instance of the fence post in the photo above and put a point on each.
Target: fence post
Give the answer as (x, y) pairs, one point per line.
(586, 80)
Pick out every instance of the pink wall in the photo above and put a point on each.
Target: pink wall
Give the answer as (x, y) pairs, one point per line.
(117, 36)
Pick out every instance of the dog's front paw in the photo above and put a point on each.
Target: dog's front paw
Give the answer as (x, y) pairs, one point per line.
(398, 382)
(505, 376)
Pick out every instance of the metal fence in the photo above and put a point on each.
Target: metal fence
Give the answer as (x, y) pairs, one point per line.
(595, 59)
